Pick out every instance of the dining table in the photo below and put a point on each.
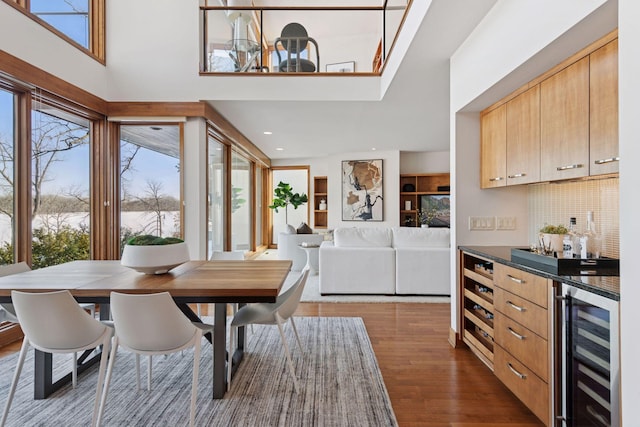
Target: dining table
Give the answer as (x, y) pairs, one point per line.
(206, 282)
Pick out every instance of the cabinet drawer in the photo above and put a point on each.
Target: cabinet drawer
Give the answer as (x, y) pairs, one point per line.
(523, 344)
(526, 285)
(523, 311)
(530, 389)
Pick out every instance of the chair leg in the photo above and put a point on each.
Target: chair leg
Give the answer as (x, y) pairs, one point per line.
(14, 382)
(286, 352)
(194, 385)
(295, 330)
(107, 380)
(137, 372)
(100, 385)
(149, 365)
(230, 355)
(74, 371)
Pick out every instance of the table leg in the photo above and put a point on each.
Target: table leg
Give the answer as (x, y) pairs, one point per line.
(219, 350)
(43, 384)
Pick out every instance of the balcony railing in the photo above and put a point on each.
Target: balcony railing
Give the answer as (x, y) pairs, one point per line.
(296, 40)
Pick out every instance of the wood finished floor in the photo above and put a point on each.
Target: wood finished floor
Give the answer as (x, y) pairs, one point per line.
(429, 382)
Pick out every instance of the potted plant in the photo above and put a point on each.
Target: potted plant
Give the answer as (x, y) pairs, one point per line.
(284, 196)
(425, 216)
(551, 238)
(154, 255)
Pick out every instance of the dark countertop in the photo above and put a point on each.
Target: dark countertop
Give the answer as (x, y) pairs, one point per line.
(606, 286)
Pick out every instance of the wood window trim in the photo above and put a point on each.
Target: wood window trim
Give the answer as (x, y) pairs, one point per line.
(97, 27)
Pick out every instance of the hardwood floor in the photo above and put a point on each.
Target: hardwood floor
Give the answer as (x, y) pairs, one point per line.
(429, 382)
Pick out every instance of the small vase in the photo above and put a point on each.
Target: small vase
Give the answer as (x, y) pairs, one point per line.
(323, 205)
(424, 225)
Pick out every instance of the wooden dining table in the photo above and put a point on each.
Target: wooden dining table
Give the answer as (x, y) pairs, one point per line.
(208, 282)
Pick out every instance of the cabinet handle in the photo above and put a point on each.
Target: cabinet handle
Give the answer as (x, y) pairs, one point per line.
(518, 374)
(609, 160)
(564, 168)
(516, 279)
(497, 178)
(516, 307)
(517, 175)
(515, 334)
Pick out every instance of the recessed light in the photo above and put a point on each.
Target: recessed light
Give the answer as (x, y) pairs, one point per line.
(155, 128)
(279, 149)
(266, 132)
(373, 149)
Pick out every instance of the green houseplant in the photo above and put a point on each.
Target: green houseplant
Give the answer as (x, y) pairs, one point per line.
(284, 196)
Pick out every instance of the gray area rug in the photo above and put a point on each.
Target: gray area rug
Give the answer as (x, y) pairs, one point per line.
(340, 385)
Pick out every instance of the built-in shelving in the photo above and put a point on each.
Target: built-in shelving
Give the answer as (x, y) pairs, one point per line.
(320, 219)
(477, 301)
(426, 183)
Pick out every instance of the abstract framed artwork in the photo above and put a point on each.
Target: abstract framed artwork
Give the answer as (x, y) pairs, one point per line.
(362, 198)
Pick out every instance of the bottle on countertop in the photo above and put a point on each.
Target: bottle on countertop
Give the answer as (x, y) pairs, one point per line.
(571, 241)
(590, 241)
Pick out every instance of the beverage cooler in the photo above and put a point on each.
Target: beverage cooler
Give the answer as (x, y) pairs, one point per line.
(589, 360)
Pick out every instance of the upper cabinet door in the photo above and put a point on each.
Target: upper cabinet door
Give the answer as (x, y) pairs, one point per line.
(564, 123)
(493, 148)
(604, 109)
(523, 138)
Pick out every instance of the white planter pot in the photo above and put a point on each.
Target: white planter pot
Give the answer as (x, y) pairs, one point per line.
(154, 259)
(553, 242)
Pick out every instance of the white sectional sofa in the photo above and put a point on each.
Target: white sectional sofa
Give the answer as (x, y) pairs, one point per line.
(381, 260)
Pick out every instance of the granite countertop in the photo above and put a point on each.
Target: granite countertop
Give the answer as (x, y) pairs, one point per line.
(606, 286)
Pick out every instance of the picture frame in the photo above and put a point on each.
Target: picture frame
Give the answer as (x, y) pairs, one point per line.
(341, 67)
(362, 190)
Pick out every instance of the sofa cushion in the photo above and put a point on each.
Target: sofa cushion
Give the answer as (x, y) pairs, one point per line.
(362, 237)
(290, 229)
(304, 229)
(411, 237)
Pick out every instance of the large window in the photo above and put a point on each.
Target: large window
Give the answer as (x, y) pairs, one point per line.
(216, 185)
(80, 22)
(7, 155)
(150, 180)
(60, 186)
(240, 203)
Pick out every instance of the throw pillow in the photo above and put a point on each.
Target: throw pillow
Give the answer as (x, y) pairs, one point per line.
(304, 229)
(290, 229)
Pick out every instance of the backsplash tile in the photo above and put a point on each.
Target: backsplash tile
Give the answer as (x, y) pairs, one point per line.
(555, 203)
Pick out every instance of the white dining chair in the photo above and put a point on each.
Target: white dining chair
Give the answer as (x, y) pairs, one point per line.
(276, 313)
(54, 322)
(152, 324)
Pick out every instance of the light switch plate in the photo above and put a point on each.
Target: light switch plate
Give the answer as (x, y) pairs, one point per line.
(505, 223)
(481, 223)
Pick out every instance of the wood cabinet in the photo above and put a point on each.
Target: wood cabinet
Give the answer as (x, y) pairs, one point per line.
(493, 148)
(522, 352)
(412, 187)
(477, 297)
(564, 123)
(523, 138)
(320, 219)
(603, 110)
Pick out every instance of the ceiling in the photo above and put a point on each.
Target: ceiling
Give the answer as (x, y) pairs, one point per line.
(413, 114)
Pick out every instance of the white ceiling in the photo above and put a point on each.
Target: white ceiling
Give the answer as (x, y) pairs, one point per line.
(413, 114)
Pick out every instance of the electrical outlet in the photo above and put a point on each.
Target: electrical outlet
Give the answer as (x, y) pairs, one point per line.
(505, 223)
(481, 223)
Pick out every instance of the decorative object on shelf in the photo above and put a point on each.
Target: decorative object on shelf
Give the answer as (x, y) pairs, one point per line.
(284, 196)
(426, 215)
(551, 238)
(341, 67)
(323, 205)
(407, 205)
(362, 198)
(439, 205)
(408, 188)
(154, 255)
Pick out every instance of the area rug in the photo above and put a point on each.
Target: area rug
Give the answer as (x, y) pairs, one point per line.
(340, 385)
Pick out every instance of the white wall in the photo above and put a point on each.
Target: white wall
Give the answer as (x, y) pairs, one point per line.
(629, 92)
(31, 42)
(424, 162)
(195, 185)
